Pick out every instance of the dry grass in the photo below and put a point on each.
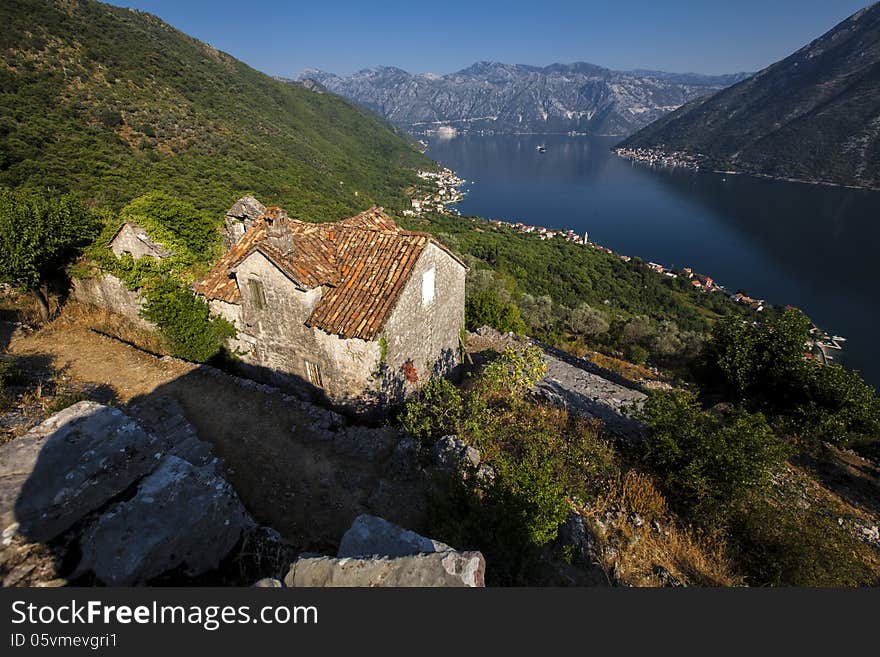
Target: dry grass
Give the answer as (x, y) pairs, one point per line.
(630, 371)
(640, 543)
(79, 315)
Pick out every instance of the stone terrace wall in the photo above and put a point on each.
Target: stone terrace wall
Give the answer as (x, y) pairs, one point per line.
(107, 291)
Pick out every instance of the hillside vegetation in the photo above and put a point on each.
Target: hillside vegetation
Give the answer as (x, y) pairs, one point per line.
(813, 116)
(113, 103)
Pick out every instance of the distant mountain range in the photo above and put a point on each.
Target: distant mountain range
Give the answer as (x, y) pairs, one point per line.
(511, 98)
(814, 116)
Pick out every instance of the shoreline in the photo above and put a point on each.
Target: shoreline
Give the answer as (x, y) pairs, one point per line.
(694, 163)
(704, 283)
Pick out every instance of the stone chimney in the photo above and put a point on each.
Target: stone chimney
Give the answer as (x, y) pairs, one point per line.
(240, 218)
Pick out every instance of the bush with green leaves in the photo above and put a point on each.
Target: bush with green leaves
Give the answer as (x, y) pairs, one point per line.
(764, 366)
(709, 462)
(509, 517)
(540, 456)
(486, 308)
(39, 236)
(184, 320)
(436, 410)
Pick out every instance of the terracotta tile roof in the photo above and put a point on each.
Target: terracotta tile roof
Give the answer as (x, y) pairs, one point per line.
(364, 261)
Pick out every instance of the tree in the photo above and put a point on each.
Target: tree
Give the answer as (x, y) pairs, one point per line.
(538, 311)
(39, 236)
(487, 309)
(586, 320)
(708, 461)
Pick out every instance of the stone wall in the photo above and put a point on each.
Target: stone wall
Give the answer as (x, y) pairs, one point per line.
(428, 335)
(132, 239)
(277, 338)
(108, 292)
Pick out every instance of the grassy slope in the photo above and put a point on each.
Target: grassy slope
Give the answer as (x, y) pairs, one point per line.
(113, 103)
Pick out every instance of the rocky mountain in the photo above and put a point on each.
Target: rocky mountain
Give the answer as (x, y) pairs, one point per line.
(814, 116)
(518, 98)
(112, 103)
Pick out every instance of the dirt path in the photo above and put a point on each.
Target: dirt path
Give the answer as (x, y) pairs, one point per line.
(287, 476)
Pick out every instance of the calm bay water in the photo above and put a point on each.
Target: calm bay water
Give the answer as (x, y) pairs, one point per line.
(817, 248)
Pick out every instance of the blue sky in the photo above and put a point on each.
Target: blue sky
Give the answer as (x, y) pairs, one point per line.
(440, 36)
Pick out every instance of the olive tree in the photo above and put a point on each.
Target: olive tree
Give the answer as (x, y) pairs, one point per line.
(39, 235)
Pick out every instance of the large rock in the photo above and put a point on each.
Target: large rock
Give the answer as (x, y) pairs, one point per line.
(181, 517)
(71, 464)
(365, 443)
(452, 453)
(451, 568)
(374, 536)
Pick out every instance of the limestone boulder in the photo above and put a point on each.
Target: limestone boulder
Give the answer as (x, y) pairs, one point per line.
(181, 517)
(450, 568)
(452, 453)
(375, 536)
(73, 463)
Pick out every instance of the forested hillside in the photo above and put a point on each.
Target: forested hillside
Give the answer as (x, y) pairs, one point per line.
(112, 103)
(814, 116)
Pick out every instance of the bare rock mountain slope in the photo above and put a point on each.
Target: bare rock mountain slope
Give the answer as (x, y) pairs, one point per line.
(518, 98)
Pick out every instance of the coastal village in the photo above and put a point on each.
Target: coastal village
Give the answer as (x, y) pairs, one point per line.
(448, 191)
(657, 157)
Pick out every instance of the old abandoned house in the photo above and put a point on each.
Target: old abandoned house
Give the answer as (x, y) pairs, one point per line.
(360, 309)
(106, 290)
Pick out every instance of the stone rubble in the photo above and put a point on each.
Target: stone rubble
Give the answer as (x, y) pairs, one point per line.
(135, 504)
(445, 569)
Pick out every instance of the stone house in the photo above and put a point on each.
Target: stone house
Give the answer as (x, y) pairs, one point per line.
(107, 291)
(360, 309)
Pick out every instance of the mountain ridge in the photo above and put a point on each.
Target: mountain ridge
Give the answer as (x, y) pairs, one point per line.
(499, 97)
(814, 116)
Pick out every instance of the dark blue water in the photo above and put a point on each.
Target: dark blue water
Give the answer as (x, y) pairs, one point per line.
(816, 248)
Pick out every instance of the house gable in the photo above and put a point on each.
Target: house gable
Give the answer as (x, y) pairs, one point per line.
(132, 239)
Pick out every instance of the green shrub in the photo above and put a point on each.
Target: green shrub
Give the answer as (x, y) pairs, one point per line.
(508, 518)
(708, 463)
(184, 320)
(487, 309)
(39, 236)
(764, 366)
(436, 410)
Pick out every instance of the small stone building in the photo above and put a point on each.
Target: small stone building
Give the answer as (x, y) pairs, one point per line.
(359, 309)
(133, 240)
(106, 290)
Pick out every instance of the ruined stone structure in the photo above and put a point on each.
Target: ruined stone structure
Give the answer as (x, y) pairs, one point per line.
(133, 240)
(359, 310)
(106, 290)
(240, 218)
